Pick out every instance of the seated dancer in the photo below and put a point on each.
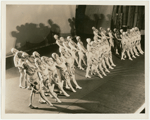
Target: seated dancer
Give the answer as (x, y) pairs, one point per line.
(55, 74)
(138, 43)
(18, 55)
(70, 65)
(74, 49)
(82, 51)
(35, 81)
(46, 82)
(117, 40)
(61, 64)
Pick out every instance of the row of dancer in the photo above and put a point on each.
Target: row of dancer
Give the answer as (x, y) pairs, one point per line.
(100, 50)
(44, 73)
(99, 55)
(128, 42)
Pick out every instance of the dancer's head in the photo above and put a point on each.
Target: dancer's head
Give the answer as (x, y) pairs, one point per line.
(108, 29)
(93, 28)
(36, 54)
(61, 49)
(69, 38)
(24, 55)
(88, 40)
(55, 56)
(51, 61)
(56, 37)
(121, 30)
(115, 29)
(19, 54)
(14, 50)
(78, 38)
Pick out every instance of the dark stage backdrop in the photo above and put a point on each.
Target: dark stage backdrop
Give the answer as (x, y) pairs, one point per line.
(127, 17)
(106, 16)
(31, 26)
(88, 16)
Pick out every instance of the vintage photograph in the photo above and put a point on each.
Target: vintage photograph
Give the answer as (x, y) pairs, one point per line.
(75, 59)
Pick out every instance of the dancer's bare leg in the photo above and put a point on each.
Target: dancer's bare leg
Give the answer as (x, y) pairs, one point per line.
(122, 54)
(129, 55)
(131, 51)
(75, 82)
(97, 71)
(21, 79)
(107, 62)
(104, 65)
(111, 61)
(45, 98)
(87, 72)
(51, 89)
(135, 51)
(30, 104)
(101, 69)
(60, 86)
(69, 83)
(139, 48)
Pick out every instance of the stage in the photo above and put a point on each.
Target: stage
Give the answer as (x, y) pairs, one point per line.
(121, 91)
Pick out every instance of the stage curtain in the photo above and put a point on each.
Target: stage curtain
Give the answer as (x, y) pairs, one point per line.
(128, 17)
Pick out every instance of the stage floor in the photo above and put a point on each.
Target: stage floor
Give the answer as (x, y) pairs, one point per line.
(121, 91)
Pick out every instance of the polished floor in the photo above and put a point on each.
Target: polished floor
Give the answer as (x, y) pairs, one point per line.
(121, 91)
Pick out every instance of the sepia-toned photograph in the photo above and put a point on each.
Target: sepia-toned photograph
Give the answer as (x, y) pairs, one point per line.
(74, 59)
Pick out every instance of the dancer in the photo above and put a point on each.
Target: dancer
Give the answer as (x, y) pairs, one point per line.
(117, 41)
(36, 84)
(55, 74)
(82, 51)
(74, 49)
(46, 78)
(110, 37)
(60, 63)
(18, 55)
(70, 65)
(138, 44)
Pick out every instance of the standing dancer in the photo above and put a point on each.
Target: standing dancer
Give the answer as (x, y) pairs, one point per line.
(138, 45)
(133, 42)
(35, 82)
(110, 37)
(46, 78)
(82, 51)
(18, 55)
(89, 56)
(74, 49)
(117, 41)
(55, 74)
(61, 64)
(95, 32)
(70, 65)
(58, 41)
